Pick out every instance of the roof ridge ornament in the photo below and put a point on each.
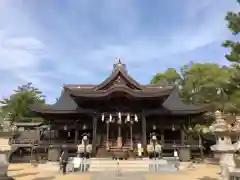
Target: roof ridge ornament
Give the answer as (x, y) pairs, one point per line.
(119, 65)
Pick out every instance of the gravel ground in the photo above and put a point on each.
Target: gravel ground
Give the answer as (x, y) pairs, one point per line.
(27, 172)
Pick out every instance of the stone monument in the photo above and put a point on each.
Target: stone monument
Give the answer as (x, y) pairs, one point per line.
(224, 147)
(5, 151)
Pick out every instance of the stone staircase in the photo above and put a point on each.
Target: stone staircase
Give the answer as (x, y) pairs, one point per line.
(107, 164)
(103, 153)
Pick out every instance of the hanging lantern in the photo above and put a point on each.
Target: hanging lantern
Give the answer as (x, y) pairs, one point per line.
(154, 137)
(128, 117)
(85, 138)
(136, 118)
(65, 127)
(154, 127)
(84, 127)
(102, 117)
(110, 118)
(119, 116)
(173, 127)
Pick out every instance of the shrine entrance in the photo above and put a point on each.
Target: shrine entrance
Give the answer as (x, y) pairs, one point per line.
(119, 131)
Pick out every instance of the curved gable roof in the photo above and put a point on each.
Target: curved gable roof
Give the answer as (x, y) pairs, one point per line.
(119, 71)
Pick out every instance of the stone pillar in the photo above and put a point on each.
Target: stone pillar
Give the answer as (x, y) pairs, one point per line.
(94, 136)
(5, 151)
(54, 153)
(144, 133)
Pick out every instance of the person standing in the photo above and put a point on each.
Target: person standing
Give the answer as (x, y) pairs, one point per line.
(64, 160)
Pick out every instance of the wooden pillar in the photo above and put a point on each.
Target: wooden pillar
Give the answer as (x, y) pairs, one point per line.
(50, 133)
(131, 136)
(162, 136)
(201, 147)
(76, 133)
(144, 132)
(94, 136)
(119, 138)
(182, 136)
(107, 143)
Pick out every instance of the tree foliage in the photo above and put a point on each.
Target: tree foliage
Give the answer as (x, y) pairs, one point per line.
(17, 105)
(169, 77)
(204, 83)
(233, 20)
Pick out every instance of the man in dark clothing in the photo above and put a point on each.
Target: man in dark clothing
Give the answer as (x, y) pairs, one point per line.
(64, 160)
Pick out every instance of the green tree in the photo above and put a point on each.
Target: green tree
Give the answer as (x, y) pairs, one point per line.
(17, 105)
(205, 83)
(169, 77)
(233, 20)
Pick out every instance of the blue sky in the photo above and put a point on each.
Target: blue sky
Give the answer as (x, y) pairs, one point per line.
(56, 42)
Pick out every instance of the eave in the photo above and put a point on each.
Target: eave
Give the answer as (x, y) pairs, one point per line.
(64, 105)
(51, 111)
(147, 93)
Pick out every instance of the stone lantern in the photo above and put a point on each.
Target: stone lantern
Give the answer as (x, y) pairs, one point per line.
(224, 147)
(237, 130)
(5, 151)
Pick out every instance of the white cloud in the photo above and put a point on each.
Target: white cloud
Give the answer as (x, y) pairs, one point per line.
(23, 49)
(204, 25)
(19, 52)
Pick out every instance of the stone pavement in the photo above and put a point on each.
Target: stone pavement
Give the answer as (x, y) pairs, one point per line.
(114, 175)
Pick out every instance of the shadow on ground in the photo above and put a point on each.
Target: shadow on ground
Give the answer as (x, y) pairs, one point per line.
(207, 178)
(44, 178)
(24, 174)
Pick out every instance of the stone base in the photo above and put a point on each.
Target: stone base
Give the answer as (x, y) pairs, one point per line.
(54, 154)
(184, 154)
(6, 178)
(4, 165)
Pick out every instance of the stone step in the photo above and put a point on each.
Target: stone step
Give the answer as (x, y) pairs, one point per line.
(114, 168)
(98, 165)
(120, 162)
(122, 170)
(120, 165)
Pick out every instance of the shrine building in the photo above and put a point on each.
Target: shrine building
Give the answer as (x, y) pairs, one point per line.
(119, 114)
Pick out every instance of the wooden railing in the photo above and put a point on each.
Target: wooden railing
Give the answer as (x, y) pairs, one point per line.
(234, 176)
(24, 141)
(33, 141)
(178, 142)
